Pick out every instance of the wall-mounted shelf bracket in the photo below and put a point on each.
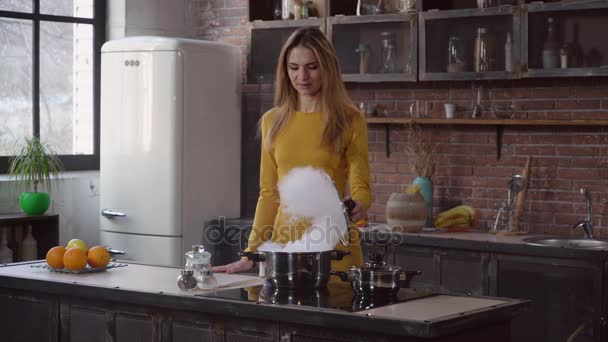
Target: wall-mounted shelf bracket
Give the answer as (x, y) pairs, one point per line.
(499, 133)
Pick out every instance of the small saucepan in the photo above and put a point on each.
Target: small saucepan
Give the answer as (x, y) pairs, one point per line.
(376, 278)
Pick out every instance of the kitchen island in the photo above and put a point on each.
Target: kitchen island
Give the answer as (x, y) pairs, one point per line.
(143, 303)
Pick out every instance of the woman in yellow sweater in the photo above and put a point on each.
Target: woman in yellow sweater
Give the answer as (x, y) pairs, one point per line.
(313, 123)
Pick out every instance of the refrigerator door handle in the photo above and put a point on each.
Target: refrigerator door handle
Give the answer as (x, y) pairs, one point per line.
(109, 213)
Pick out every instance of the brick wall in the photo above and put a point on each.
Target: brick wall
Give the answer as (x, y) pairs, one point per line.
(565, 158)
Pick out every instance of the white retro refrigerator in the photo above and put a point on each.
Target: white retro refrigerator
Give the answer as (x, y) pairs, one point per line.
(170, 144)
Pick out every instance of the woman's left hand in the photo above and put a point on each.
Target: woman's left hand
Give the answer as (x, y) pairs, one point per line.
(358, 212)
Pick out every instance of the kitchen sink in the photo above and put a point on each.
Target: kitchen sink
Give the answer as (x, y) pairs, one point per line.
(566, 242)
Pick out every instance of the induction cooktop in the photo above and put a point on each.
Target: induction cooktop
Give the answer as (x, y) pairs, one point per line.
(337, 295)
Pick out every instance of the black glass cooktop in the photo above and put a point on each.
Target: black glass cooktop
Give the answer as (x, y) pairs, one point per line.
(337, 295)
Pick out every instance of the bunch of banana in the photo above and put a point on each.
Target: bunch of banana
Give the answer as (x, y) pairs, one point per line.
(461, 217)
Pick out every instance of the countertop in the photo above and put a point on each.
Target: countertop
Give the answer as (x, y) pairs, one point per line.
(380, 233)
(155, 286)
(477, 241)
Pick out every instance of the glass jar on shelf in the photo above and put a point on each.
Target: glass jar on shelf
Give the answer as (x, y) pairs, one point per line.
(389, 53)
(456, 54)
(364, 54)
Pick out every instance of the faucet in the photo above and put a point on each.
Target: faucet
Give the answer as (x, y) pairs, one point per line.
(586, 224)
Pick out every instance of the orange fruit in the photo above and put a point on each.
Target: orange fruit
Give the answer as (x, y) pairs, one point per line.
(98, 256)
(75, 259)
(54, 257)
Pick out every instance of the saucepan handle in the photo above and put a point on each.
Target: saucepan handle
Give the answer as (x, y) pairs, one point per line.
(343, 275)
(339, 254)
(255, 257)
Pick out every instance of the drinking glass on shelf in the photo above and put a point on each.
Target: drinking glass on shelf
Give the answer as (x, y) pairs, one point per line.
(406, 6)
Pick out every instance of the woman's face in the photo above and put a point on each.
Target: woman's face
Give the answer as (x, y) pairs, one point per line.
(304, 71)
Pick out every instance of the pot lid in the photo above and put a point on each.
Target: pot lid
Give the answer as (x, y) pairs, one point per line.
(377, 264)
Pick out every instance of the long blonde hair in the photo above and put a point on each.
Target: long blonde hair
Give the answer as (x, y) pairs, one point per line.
(336, 105)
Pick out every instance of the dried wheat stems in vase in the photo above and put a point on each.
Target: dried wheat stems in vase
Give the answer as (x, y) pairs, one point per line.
(421, 151)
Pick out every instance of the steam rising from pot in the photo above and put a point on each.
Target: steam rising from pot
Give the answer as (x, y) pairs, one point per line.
(309, 193)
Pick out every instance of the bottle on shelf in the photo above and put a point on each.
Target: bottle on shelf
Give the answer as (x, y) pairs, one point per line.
(575, 51)
(509, 54)
(485, 50)
(563, 57)
(277, 12)
(29, 246)
(550, 47)
(288, 7)
(6, 254)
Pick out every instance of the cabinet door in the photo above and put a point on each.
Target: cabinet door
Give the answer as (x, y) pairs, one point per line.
(453, 271)
(134, 328)
(417, 258)
(463, 272)
(250, 331)
(300, 333)
(189, 331)
(86, 324)
(566, 297)
(26, 317)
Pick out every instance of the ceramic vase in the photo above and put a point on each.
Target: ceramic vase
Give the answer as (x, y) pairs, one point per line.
(405, 212)
(426, 190)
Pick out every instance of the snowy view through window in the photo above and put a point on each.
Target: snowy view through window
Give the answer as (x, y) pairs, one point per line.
(66, 77)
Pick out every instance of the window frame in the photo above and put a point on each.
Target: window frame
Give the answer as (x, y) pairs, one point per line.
(78, 162)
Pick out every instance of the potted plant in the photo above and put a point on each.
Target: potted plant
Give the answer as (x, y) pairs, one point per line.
(35, 165)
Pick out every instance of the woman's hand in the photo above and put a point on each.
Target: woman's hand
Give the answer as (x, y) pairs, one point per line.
(235, 267)
(358, 212)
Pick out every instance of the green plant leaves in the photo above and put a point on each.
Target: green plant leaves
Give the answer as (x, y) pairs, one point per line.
(34, 165)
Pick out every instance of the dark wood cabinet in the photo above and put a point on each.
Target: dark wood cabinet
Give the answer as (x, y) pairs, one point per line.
(31, 318)
(267, 38)
(427, 38)
(568, 296)
(576, 25)
(445, 270)
(45, 229)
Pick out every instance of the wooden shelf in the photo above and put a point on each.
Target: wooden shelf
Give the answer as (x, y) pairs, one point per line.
(566, 5)
(468, 76)
(567, 72)
(270, 24)
(378, 18)
(469, 12)
(369, 78)
(494, 122)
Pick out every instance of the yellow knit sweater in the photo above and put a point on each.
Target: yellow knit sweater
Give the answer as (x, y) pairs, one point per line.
(299, 145)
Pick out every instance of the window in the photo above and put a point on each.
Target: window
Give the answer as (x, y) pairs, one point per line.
(49, 77)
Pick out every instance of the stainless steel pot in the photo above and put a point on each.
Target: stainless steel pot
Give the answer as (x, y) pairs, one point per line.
(296, 270)
(294, 296)
(376, 278)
